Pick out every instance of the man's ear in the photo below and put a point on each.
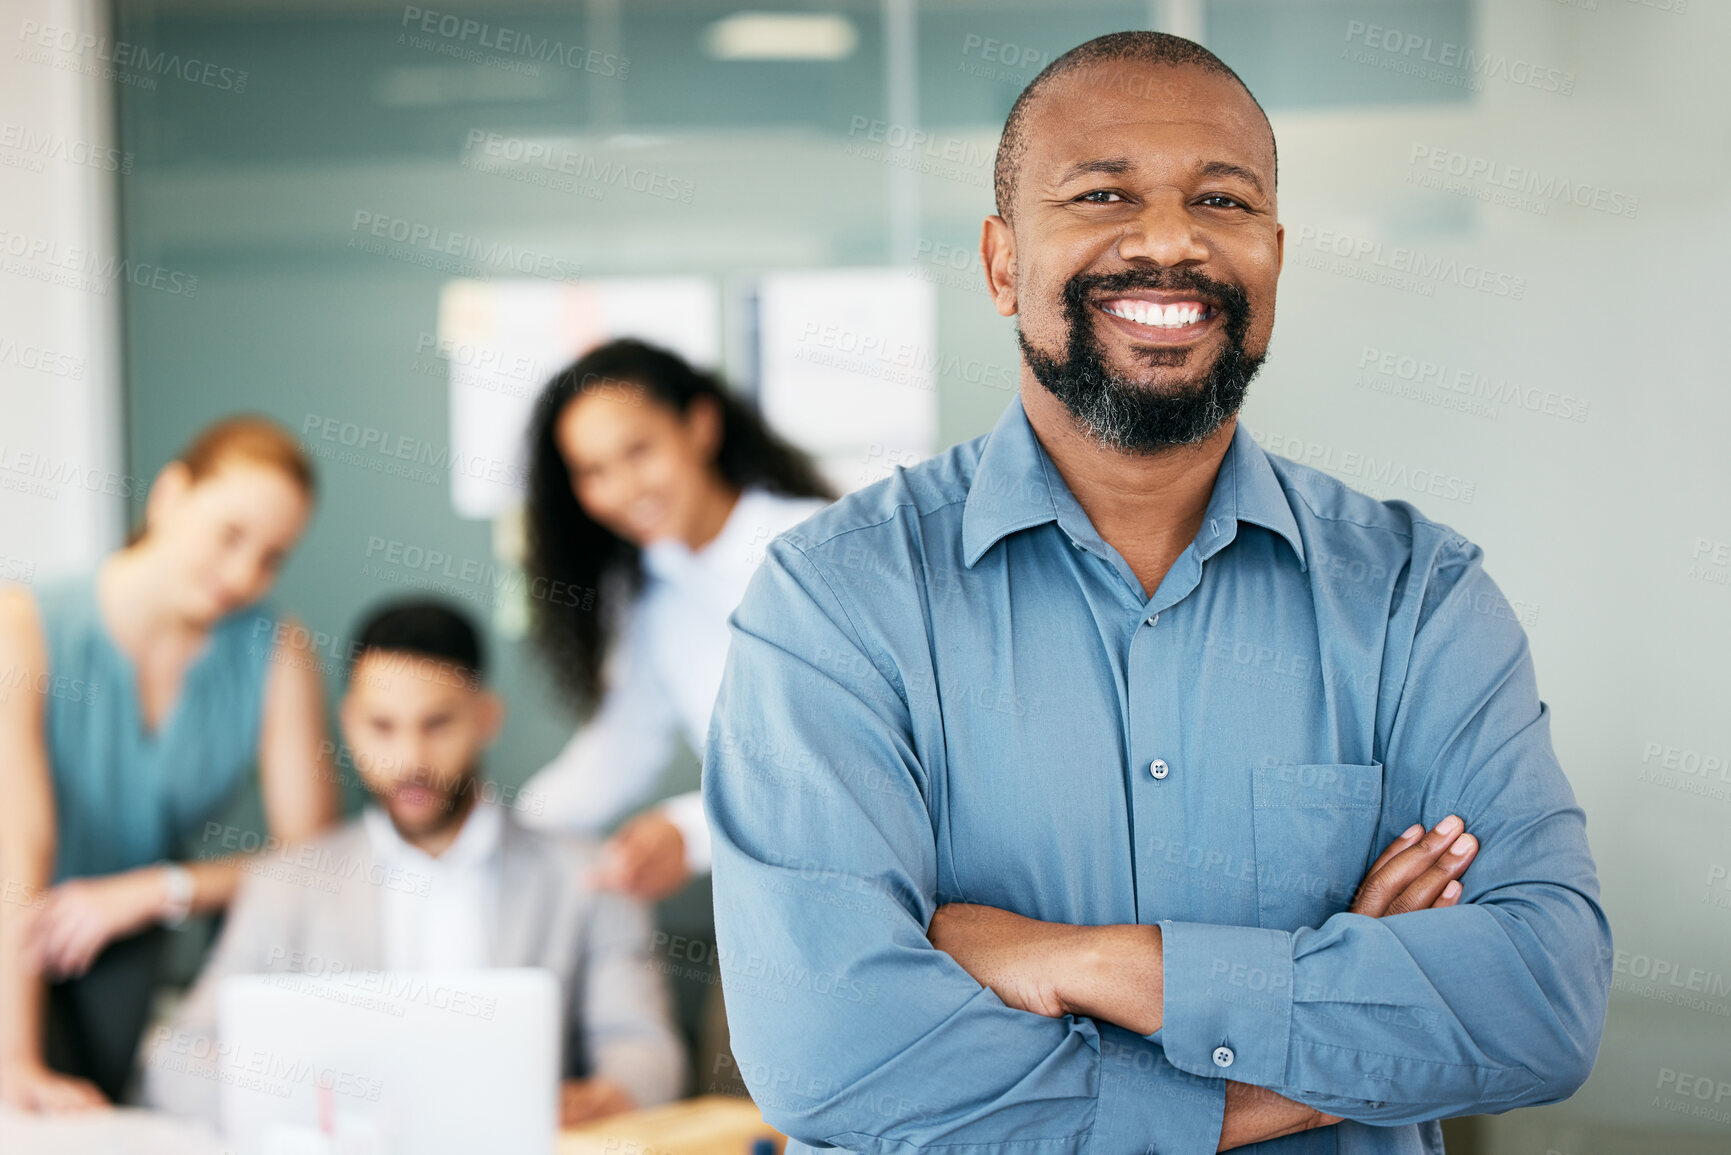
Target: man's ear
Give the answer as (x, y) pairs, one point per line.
(346, 705)
(998, 259)
(492, 715)
(1279, 248)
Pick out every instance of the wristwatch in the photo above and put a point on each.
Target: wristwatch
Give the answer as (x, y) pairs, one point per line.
(177, 888)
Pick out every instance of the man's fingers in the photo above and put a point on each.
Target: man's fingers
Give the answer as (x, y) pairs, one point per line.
(1425, 891)
(1395, 847)
(1382, 884)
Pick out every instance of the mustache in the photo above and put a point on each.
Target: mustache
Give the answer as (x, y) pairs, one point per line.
(1231, 300)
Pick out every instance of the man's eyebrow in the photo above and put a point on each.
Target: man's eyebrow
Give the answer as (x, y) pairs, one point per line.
(1119, 165)
(1110, 166)
(1223, 168)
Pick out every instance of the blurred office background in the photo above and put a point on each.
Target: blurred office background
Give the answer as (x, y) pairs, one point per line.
(383, 224)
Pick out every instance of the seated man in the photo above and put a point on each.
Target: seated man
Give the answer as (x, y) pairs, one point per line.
(490, 892)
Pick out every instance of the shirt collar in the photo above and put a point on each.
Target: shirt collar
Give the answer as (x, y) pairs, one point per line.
(474, 845)
(1247, 489)
(1016, 486)
(1010, 490)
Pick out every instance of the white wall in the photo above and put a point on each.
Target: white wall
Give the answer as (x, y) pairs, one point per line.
(62, 489)
(1611, 534)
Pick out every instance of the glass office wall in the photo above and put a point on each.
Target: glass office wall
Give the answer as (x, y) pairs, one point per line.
(1505, 222)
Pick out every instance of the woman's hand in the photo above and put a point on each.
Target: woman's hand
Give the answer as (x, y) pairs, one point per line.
(28, 1085)
(83, 915)
(581, 1100)
(645, 859)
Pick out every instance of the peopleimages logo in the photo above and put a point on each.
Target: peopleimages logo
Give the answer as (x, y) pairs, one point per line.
(1460, 64)
(1379, 477)
(1400, 266)
(462, 31)
(131, 58)
(493, 152)
(1486, 176)
(1470, 384)
(35, 146)
(441, 248)
(46, 259)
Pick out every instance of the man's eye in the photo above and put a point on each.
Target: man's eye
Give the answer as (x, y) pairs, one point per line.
(1100, 193)
(1227, 202)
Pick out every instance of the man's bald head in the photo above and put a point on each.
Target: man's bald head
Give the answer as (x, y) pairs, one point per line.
(1123, 48)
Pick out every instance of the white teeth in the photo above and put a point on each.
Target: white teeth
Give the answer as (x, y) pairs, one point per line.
(1160, 316)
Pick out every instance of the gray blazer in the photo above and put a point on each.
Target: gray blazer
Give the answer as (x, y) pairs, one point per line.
(320, 902)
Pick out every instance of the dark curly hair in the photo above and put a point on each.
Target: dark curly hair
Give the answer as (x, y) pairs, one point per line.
(565, 545)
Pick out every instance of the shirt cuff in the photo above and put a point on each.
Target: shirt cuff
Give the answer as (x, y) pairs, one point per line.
(1226, 1011)
(686, 812)
(1148, 1105)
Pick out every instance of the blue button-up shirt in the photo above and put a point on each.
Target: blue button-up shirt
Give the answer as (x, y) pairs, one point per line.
(948, 687)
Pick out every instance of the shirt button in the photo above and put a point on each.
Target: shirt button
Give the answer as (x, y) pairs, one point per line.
(1154, 620)
(1158, 768)
(1223, 1056)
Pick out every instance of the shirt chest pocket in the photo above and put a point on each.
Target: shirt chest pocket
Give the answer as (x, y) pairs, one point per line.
(1314, 826)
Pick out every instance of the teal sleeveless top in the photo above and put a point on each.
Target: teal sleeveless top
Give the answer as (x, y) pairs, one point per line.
(123, 796)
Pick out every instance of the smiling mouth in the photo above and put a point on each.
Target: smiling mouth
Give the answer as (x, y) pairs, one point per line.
(1167, 319)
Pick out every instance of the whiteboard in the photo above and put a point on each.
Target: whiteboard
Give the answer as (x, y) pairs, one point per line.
(503, 340)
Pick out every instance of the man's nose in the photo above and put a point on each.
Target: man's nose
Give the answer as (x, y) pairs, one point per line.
(407, 759)
(1164, 232)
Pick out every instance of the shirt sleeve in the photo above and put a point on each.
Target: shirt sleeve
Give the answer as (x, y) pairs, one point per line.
(1498, 1002)
(623, 1015)
(615, 759)
(848, 1027)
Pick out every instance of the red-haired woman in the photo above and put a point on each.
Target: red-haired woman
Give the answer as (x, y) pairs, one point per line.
(138, 696)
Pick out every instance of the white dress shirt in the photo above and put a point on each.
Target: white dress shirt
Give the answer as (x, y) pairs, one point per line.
(662, 673)
(434, 913)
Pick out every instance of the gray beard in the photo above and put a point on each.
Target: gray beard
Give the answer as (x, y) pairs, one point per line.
(1127, 417)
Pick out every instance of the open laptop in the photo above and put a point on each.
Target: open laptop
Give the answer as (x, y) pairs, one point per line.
(390, 1062)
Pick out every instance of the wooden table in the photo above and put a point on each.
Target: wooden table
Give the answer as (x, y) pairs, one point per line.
(706, 1125)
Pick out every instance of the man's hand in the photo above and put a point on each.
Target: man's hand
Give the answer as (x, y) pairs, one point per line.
(581, 1100)
(645, 859)
(1417, 873)
(1054, 969)
(1256, 1114)
(1019, 958)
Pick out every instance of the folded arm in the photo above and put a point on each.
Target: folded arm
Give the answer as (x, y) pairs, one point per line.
(1494, 1003)
(1481, 996)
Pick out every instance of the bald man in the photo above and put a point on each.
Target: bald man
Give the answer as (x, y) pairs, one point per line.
(1108, 784)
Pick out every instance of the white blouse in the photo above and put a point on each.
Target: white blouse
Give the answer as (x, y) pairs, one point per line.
(663, 671)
